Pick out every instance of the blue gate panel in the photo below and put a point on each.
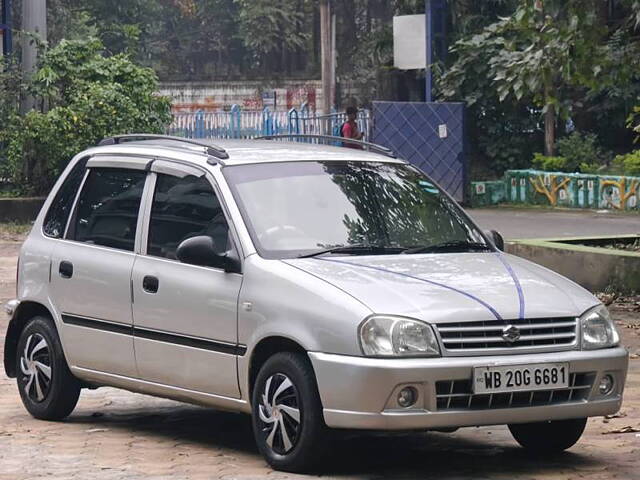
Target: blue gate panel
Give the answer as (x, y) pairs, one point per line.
(413, 130)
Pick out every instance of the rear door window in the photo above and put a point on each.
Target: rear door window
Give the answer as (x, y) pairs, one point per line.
(108, 208)
(183, 208)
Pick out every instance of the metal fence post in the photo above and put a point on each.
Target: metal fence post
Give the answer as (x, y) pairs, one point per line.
(304, 116)
(235, 121)
(199, 125)
(267, 122)
(293, 117)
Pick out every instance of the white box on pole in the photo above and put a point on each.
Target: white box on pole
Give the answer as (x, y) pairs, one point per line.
(409, 42)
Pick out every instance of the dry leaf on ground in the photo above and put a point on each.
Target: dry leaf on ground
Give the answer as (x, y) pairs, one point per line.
(627, 429)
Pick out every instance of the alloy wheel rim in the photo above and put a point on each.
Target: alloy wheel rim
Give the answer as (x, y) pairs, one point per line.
(279, 412)
(35, 364)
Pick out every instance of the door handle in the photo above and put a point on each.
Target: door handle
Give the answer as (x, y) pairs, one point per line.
(65, 269)
(150, 284)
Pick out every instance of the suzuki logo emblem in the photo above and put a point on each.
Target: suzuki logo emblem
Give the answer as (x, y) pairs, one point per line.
(511, 333)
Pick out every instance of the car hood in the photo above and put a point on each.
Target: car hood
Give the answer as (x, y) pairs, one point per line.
(452, 287)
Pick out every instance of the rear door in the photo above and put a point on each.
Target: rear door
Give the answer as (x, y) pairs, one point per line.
(91, 268)
(185, 316)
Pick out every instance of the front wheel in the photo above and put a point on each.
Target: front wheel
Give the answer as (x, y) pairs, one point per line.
(549, 437)
(287, 414)
(48, 389)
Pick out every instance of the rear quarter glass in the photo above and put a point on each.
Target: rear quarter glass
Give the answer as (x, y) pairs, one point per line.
(59, 210)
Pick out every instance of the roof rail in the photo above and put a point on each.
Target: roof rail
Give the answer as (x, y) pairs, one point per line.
(213, 150)
(373, 147)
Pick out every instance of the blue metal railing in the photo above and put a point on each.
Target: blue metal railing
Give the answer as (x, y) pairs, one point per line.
(238, 123)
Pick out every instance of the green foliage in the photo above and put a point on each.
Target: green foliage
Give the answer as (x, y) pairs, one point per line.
(628, 164)
(634, 121)
(199, 39)
(506, 135)
(571, 58)
(11, 85)
(580, 150)
(190, 39)
(89, 96)
(561, 164)
(533, 55)
(267, 26)
(502, 133)
(577, 152)
(124, 26)
(549, 163)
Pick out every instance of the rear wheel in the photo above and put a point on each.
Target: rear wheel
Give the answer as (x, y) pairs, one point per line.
(287, 414)
(48, 389)
(549, 437)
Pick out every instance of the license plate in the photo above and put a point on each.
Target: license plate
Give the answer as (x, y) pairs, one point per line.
(517, 378)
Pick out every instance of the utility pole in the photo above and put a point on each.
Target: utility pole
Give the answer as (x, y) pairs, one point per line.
(326, 55)
(332, 94)
(435, 16)
(34, 22)
(5, 28)
(428, 6)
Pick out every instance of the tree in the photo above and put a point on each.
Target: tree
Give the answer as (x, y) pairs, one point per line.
(82, 96)
(537, 51)
(270, 28)
(550, 55)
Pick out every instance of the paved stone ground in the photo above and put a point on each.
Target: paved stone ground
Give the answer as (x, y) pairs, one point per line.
(116, 435)
(544, 223)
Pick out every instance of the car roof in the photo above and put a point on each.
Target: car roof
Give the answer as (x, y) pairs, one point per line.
(243, 151)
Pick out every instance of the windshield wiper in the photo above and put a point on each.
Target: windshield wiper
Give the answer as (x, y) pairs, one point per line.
(456, 246)
(355, 249)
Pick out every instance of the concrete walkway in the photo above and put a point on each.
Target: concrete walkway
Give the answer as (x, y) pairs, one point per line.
(515, 223)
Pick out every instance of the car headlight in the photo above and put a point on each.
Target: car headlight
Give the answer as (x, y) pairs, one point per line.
(598, 330)
(389, 336)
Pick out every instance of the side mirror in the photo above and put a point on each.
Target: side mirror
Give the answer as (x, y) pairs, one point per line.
(202, 251)
(498, 241)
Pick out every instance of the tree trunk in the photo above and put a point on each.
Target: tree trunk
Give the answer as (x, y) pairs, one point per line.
(549, 119)
(550, 130)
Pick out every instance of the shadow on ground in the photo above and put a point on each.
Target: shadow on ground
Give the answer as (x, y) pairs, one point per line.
(370, 455)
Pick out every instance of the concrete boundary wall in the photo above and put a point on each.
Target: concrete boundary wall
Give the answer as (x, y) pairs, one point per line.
(20, 210)
(218, 96)
(595, 268)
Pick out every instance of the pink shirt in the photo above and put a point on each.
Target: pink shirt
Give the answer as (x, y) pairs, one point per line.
(350, 130)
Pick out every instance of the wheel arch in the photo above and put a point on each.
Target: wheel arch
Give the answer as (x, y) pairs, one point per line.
(264, 349)
(25, 312)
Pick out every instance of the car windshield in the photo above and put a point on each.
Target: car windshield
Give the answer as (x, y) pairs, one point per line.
(295, 209)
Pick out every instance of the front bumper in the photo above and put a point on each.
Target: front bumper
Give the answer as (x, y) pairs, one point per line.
(359, 393)
(11, 307)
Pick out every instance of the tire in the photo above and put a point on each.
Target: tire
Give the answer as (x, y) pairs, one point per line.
(48, 389)
(305, 443)
(549, 437)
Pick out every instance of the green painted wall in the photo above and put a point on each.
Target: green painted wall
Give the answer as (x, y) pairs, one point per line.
(558, 189)
(487, 193)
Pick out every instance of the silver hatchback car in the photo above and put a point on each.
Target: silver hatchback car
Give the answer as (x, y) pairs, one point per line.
(314, 287)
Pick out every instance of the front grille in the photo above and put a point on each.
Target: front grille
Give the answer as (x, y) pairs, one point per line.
(458, 395)
(534, 332)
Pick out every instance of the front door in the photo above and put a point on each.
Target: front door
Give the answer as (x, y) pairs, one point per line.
(185, 316)
(91, 271)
